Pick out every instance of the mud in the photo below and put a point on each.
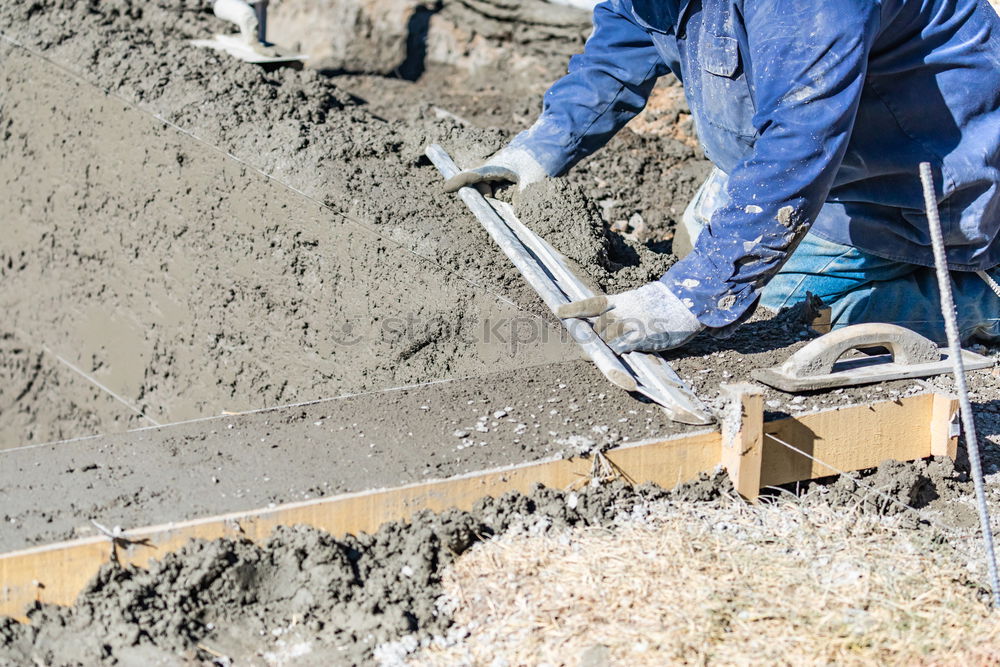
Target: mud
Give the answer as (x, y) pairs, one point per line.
(302, 595)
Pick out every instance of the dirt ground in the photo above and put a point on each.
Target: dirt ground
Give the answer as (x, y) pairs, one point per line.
(195, 236)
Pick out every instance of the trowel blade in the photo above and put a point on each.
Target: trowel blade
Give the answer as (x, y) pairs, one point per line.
(258, 53)
(660, 382)
(677, 407)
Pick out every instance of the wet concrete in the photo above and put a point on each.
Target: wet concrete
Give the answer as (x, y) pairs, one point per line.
(150, 250)
(43, 399)
(188, 283)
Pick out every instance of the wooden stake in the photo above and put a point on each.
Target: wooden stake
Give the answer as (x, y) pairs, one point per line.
(823, 322)
(743, 438)
(943, 426)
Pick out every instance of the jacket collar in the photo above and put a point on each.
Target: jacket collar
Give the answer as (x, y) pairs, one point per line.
(660, 15)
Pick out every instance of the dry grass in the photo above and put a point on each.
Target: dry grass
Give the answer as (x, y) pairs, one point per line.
(728, 584)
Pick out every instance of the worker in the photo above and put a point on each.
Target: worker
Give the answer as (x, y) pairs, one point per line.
(816, 114)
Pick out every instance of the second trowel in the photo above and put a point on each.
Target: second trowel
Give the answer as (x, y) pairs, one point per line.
(250, 43)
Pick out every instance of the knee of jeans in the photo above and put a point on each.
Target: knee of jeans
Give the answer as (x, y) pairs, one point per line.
(791, 286)
(987, 332)
(781, 292)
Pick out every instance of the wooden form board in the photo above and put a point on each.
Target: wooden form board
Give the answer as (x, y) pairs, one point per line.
(858, 438)
(848, 438)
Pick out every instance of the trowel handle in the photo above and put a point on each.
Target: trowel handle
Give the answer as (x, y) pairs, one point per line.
(240, 13)
(818, 357)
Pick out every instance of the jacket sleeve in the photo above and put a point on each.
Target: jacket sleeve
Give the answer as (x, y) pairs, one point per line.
(605, 87)
(807, 63)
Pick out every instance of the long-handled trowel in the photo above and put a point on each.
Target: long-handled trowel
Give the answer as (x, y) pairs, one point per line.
(546, 270)
(250, 44)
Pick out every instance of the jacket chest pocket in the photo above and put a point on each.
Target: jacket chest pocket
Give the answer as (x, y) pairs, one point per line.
(726, 101)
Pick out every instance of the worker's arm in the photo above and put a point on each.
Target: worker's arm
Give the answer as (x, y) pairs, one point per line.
(606, 86)
(808, 61)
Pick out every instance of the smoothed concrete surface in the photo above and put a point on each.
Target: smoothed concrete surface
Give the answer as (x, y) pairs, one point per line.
(369, 441)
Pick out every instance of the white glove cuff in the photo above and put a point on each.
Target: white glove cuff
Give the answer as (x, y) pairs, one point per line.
(522, 163)
(661, 299)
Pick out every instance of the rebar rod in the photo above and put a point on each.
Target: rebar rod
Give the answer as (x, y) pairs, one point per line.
(958, 365)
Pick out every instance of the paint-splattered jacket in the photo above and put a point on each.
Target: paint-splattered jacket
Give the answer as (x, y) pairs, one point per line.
(819, 111)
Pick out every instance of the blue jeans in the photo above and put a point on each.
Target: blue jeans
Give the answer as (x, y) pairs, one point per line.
(861, 287)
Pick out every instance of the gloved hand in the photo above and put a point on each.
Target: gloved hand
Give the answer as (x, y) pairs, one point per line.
(650, 318)
(240, 13)
(514, 165)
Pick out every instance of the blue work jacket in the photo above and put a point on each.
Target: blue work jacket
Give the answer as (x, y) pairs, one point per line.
(818, 110)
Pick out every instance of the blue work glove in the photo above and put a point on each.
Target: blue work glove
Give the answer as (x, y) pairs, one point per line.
(649, 319)
(513, 165)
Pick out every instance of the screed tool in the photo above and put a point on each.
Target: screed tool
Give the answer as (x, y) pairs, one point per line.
(545, 269)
